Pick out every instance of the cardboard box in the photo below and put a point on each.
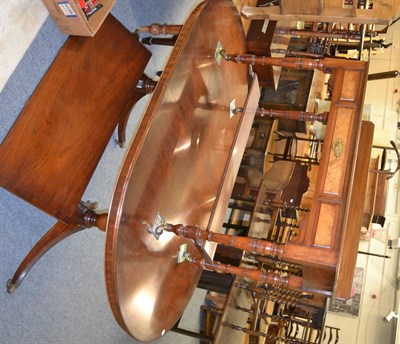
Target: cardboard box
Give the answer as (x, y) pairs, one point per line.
(71, 20)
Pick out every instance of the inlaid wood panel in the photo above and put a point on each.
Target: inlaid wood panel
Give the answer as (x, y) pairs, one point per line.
(326, 226)
(338, 159)
(332, 228)
(349, 90)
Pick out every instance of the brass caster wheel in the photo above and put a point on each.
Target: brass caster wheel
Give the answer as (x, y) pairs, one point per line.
(120, 144)
(136, 33)
(11, 287)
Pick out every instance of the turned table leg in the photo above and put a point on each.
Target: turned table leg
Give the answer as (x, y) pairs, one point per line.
(160, 29)
(255, 245)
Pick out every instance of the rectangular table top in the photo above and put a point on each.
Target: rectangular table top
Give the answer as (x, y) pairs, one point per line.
(52, 150)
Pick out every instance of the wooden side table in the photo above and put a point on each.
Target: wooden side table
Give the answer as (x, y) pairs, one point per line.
(52, 150)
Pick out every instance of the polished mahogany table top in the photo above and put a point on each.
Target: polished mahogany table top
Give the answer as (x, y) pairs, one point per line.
(49, 155)
(182, 165)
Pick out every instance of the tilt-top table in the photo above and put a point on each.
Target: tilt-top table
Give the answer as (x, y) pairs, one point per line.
(182, 165)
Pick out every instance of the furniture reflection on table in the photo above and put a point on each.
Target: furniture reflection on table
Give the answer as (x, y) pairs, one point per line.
(53, 148)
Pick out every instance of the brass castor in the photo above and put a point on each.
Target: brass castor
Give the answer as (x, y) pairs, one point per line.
(120, 144)
(11, 287)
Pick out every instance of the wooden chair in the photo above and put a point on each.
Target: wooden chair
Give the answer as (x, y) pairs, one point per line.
(209, 317)
(290, 152)
(277, 178)
(387, 172)
(332, 333)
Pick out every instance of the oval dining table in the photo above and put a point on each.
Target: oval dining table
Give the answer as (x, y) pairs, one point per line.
(181, 167)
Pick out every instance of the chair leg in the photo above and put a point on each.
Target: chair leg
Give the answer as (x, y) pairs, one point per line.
(57, 233)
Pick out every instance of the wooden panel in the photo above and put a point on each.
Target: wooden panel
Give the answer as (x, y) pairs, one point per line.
(50, 153)
(354, 213)
(318, 280)
(232, 168)
(259, 43)
(333, 3)
(349, 88)
(337, 164)
(326, 226)
(380, 202)
(297, 7)
(336, 180)
(329, 15)
(310, 255)
(259, 38)
(370, 197)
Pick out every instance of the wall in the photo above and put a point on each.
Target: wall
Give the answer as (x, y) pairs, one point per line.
(380, 274)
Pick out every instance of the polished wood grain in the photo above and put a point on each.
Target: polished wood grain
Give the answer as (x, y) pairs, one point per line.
(182, 163)
(323, 243)
(52, 150)
(160, 29)
(255, 245)
(258, 275)
(329, 15)
(352, 225)
(288, 62)
(295, 115)
(50, 154)
(370, 196)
